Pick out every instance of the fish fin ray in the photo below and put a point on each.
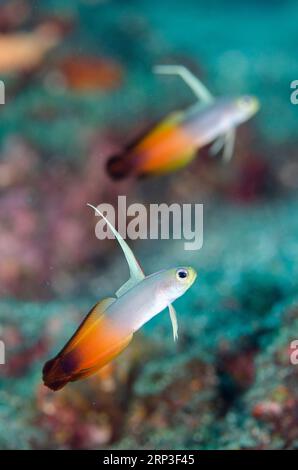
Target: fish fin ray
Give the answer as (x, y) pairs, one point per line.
(199, 89)
(217, 145)
(225, 142)
(136, 272)
(229, 145)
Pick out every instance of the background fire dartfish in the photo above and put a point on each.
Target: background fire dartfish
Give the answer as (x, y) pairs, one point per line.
(174, 142)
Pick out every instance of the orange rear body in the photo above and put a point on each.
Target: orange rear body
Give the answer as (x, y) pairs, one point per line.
(166, 148)
(96, 342)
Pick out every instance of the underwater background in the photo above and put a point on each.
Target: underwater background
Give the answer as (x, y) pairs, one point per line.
(80, 92)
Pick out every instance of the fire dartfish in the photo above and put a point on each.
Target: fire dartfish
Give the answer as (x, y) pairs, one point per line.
(110, 325)
(175, 141)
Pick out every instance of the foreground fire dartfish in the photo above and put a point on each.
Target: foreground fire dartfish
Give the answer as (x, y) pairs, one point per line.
(175, 141)
(111, 323)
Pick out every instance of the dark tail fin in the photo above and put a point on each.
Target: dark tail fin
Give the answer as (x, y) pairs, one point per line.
(119, 167)
(51, 376)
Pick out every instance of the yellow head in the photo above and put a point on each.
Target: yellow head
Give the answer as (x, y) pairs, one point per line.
(174, 282)
(247, 106)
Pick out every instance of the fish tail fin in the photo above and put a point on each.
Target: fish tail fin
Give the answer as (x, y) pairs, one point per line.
(119, 166)
(50, 374)
(70, 367)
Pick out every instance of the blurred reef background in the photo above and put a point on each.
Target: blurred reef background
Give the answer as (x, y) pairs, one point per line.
(79, 85)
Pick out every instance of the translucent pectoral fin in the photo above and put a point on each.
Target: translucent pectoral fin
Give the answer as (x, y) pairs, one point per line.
(217, 146)
(225, 142)
(173, 317)
(191, 80)
(229, 145)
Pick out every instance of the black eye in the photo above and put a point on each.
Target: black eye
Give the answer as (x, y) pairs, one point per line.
(182, 273)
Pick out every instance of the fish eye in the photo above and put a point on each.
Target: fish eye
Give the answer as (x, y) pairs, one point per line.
(182, 273)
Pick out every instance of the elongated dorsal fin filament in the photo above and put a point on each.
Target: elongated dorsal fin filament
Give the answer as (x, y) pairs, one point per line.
(135, 270)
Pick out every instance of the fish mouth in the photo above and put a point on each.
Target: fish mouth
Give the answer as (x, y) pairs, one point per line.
(255, 105)
(248, 105)
(192, 275)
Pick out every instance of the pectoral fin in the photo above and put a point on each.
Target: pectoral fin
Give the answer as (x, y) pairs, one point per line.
(136, 272)
(225, 142)
(173, 317)
(217, 145)
(229, 145)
